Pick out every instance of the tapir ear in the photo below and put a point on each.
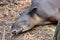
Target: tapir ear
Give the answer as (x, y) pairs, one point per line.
(32, 12)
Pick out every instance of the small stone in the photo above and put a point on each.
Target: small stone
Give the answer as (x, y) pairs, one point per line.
(1, 15)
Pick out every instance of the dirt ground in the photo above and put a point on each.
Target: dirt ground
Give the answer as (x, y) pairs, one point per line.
(9, 12)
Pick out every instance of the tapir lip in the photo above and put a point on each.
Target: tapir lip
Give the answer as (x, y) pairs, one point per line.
(16, 32)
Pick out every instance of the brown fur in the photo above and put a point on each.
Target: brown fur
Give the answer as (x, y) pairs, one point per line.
(52, 19)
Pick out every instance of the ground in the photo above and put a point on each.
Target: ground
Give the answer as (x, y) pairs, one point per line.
(9, 13)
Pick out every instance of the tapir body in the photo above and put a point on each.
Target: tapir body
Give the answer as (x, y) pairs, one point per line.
(44, 9)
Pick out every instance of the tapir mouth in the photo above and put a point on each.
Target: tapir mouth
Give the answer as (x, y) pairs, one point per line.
(16, 32)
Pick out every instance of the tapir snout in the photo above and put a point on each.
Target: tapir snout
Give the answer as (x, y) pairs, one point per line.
(25, 22)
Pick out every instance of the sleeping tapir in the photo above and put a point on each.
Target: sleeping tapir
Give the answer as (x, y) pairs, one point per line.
(39, 11)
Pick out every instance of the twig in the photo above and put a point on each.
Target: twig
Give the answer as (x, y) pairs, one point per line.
(2, 4)
(3, 35)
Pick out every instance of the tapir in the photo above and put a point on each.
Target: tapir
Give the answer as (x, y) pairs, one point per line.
(38, 11)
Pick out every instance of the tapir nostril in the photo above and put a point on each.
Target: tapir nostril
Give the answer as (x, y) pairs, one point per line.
(14, 32)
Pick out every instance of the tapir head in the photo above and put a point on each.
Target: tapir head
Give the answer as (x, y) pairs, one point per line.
(25, 22)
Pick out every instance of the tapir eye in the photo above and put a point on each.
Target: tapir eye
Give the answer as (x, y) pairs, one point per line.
(29, 25)
(24, 21)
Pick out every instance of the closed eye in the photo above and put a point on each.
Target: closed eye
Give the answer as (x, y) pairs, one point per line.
(24, 21)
